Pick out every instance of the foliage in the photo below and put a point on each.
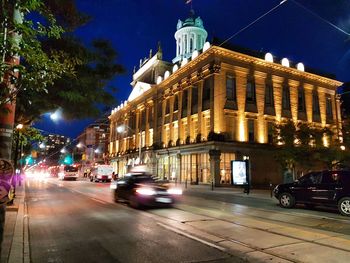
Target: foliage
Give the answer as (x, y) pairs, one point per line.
(26, 137)
(78, 95)
(38, 68)
(57, 70)
(302, 146)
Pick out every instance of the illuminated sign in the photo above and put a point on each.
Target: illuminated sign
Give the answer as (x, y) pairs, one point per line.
(239, 172)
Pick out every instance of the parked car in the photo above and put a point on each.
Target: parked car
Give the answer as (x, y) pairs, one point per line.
(141, 189)
(323, 188)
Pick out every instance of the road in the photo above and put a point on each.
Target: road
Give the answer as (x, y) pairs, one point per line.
(78, 221)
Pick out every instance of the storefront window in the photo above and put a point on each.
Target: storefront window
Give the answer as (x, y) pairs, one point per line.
(225, 167)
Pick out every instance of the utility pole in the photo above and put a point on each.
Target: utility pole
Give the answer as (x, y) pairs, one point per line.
(7, 117)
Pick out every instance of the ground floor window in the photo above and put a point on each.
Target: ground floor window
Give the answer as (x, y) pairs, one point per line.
(195, 168)
(225, 167)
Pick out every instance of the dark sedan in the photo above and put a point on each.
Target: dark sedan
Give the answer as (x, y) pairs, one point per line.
(140, 189)
(323, 188)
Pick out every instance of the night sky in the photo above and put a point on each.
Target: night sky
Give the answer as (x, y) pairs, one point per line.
(135, 26)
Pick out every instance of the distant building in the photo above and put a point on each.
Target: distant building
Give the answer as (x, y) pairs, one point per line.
(212, 105)
(94, 140)
(52, 147)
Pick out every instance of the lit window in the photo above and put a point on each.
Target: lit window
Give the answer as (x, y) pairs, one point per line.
(301, 100)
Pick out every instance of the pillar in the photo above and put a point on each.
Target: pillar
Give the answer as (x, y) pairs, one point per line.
(214, 159)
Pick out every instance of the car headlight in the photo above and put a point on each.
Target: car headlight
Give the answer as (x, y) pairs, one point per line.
(174, 191)
(145, 191)
(113, 186)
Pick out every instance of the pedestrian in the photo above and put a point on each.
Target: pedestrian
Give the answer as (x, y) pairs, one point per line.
(114, 176)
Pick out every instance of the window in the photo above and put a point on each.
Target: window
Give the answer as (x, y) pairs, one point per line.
(329, 111)
(286, 98)
(269, 94)
(143, 119)
(251, 137)
(191, 44)
(311, 178)
(167, 107)
(207, 87)
(301, 99)
(230, 87)
(185, 44)
(184, 103)
(250, 91)
(150, 116)
(194, 103)
(160, 109)
(315, 103)
(176, 102)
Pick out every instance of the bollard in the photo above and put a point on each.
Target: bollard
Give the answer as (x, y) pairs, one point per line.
(212, 185)
(271, 189)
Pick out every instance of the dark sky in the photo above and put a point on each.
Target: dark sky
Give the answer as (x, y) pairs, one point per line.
(135, 26)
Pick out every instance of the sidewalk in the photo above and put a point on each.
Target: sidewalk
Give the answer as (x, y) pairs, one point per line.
(15, 246)
(237, 191)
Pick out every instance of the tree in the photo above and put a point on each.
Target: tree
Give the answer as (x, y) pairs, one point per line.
(38, 68)
(79, 95)
(302, 146)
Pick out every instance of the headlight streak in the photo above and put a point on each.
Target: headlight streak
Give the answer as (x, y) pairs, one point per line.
(174, 191)
(145, 191)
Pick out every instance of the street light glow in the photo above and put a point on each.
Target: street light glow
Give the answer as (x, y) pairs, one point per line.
(120, 128)
(19, 126)
(63, 150)
(56, 116)
(42, 145)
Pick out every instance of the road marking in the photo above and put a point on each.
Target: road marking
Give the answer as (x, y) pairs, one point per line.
(92, 198)
(191, 237)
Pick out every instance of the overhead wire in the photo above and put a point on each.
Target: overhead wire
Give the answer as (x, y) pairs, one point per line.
(277, 6)
(253, 22)
(320, 17)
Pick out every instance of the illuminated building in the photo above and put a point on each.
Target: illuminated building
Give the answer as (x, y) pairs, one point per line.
(218, 104)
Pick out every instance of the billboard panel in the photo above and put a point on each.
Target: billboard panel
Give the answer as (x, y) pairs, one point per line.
(239, 172)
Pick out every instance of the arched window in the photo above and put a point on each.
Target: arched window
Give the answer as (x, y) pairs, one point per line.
(191, 44)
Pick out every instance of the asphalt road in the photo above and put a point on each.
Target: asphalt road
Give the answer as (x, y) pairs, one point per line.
(67, 226)
(73, 221)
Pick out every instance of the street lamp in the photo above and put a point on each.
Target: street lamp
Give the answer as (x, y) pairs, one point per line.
(122, 129)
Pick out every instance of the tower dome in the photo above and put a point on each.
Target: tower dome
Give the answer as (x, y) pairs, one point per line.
(190, 36)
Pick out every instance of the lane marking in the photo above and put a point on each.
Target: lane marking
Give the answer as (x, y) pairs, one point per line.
(191, 237)
(85, 194)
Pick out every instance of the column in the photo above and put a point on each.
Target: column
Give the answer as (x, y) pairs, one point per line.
(219, 98)
(200, 101)
(260, 83)
(322, 102)
(147, 126)
(277, 96)
(293, 91)
(214, 159)
(308, 101)
(241, 90)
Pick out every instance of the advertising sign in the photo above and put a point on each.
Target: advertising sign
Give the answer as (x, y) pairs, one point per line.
(239, 172)
(6, 173)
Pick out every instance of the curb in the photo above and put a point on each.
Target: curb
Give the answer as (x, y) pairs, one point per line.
(19, 251)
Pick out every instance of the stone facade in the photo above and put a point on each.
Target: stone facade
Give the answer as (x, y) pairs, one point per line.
(217, 107)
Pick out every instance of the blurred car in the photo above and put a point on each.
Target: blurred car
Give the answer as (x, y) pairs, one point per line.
(101, 173)
(322, 188)
(68, 172)
(141, 189)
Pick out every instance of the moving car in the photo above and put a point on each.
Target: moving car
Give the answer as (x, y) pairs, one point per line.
(323, 188)
(141, 189)
(101, 172)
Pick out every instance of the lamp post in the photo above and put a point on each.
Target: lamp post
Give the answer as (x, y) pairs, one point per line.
(122, 128)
